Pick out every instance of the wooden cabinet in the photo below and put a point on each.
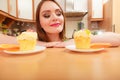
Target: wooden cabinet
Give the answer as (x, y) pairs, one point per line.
(74, 9)
(95, 13)
(116, 16)
(12, 7)
(4, 5)
(111, 16)
(95, 8)
(25, 9)
(76, 5)
(21, 10)
(73, 5)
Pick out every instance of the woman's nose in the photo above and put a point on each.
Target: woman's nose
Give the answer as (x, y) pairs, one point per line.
(54, 17)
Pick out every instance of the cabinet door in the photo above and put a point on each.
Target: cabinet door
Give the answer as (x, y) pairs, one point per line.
(12, 7)
(116, 15)
(25, 9)
(76, 5)
(4, 5)
(81, 5)
(96, 10)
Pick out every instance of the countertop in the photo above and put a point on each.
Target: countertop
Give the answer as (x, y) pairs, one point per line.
(61, 64)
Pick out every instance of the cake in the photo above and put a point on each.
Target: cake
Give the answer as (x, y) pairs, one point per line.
(27, 40)
(82, 39)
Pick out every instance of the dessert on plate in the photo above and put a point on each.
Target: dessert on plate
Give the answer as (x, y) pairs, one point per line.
(82, 39)
(27, 40)
(9, 47)
(100, 45)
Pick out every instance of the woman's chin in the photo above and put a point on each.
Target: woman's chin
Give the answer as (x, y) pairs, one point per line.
(59, 29)
(54, 32)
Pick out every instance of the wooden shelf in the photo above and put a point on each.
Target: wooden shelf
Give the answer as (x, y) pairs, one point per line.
(75, 14)
(96, 19)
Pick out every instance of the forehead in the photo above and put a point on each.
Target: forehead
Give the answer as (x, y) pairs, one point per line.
(49, 5)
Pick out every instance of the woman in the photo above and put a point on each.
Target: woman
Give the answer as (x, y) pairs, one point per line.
(50, 23)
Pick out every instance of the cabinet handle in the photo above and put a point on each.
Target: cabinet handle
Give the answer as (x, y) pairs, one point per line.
(113, 27)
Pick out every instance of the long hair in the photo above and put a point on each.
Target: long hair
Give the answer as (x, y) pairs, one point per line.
(42, 36)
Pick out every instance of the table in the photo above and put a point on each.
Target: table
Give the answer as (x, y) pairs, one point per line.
(61, 64)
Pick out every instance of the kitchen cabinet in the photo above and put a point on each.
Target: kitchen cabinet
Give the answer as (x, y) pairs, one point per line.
(76, 5)
(12, 7)
(116, 16)
(95, 8)
(4, 5)
(74, 8)
(111, 16)
(95, 14)
(25, 9)
(20, 10)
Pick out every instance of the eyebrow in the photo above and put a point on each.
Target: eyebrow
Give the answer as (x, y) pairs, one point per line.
(45, 11)
(50, 11)
(58, 10)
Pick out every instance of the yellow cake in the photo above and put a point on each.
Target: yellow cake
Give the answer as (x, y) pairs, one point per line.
(82, 39)
(27, 40)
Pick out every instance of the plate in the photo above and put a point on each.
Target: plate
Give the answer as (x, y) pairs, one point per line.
(37, 49)
(73, 48)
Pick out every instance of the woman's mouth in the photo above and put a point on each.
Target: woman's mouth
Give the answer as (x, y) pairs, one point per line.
(55, 25)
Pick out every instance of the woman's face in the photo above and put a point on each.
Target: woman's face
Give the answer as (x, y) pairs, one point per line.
(51, 18)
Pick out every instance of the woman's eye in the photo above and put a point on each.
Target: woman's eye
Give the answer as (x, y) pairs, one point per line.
(58, 13)
(46, 15)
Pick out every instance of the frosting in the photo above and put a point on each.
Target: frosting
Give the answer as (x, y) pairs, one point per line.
(82, 33)
(27, 36)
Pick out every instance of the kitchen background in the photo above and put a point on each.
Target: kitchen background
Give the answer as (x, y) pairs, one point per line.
(97, 15)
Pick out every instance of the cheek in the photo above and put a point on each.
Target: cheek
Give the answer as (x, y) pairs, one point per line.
(43, 23)
(62, 20)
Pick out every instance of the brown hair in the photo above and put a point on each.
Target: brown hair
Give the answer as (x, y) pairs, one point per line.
(42, 36)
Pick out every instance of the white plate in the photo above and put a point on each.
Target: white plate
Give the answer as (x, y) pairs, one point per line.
(73, 48)
(37, 49)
